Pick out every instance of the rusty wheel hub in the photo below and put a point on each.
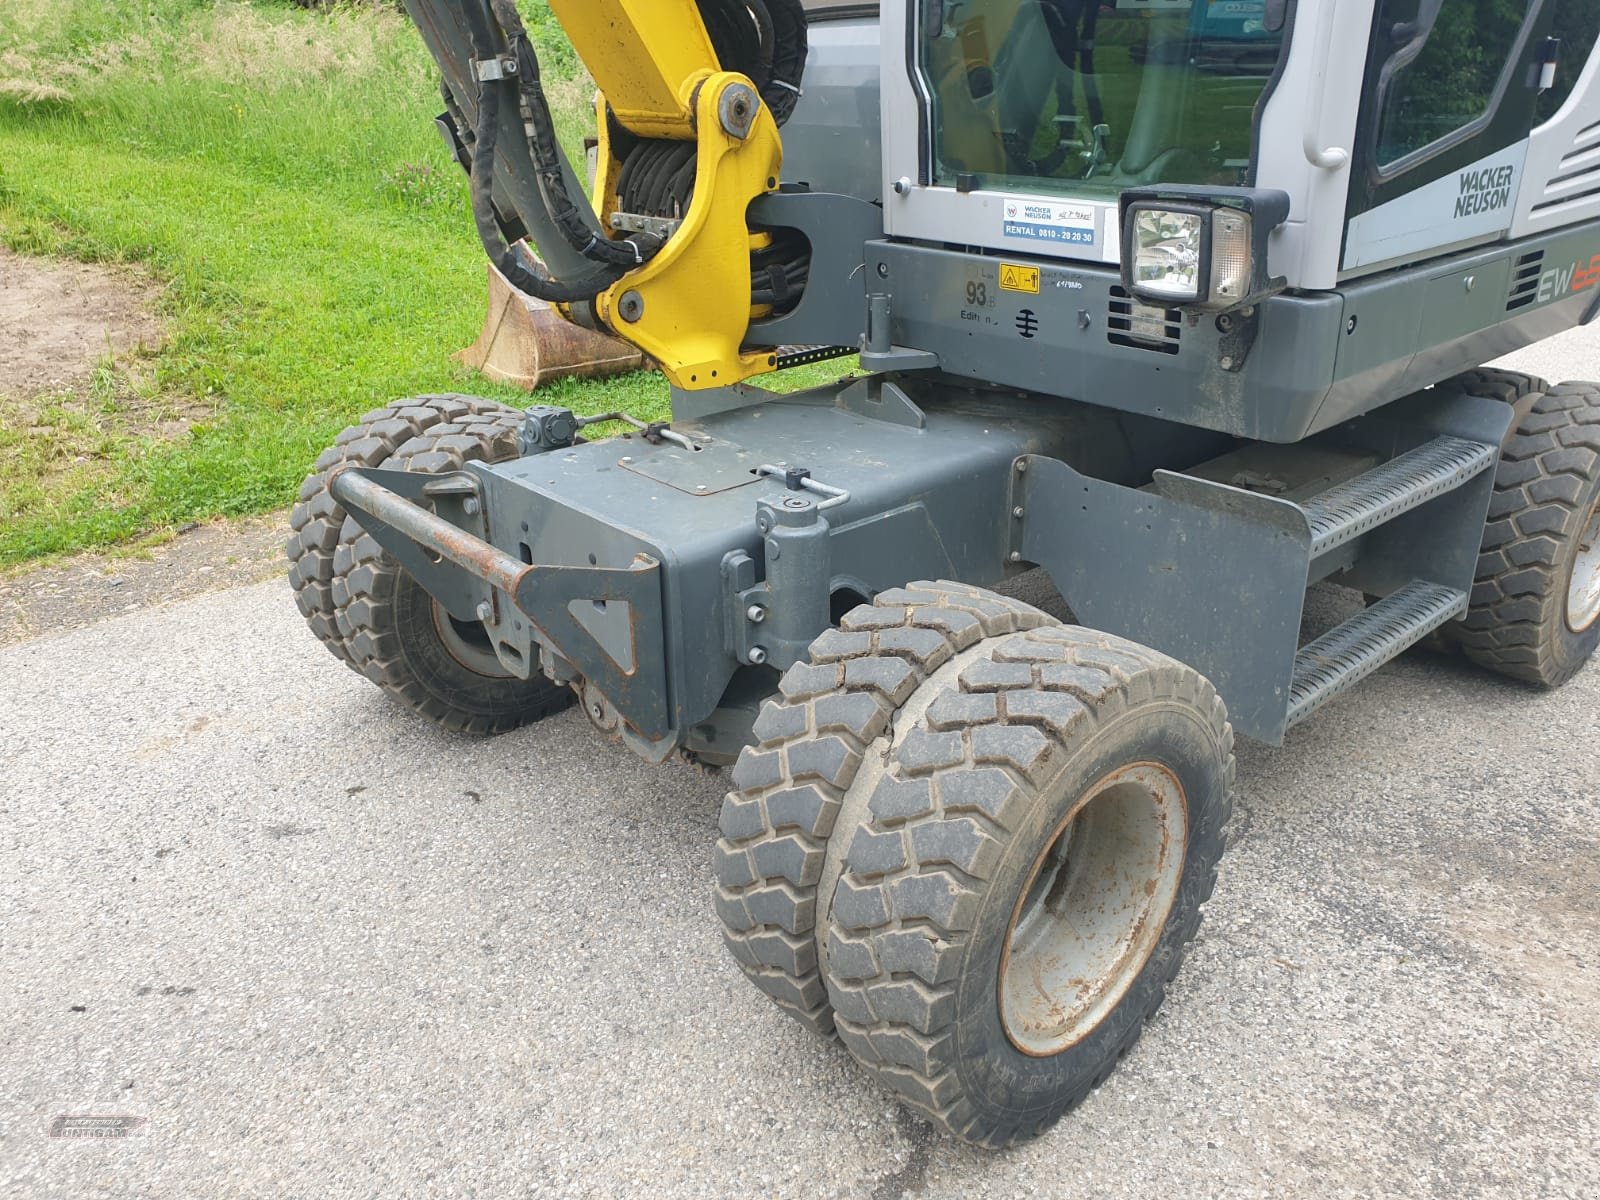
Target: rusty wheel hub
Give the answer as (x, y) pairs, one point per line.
(1093, 908)
(468, 643)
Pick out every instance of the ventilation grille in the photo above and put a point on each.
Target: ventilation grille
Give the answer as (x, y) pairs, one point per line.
(1148, 328)
(1578, 176)
(1525, 280)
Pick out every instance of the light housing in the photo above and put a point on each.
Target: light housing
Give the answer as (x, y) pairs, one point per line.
(1199, 248)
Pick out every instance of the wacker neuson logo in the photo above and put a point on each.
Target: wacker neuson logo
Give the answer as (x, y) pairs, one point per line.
(1484, 191)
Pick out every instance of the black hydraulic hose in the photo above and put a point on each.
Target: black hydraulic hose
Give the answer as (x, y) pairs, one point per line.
(519, 273)
(790, 38)
(765, 39)
(547, 161)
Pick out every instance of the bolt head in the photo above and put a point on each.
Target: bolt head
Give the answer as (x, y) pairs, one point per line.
(1016, 556)
(485, 612)
(1022, 466)
(757, 655)
(1019, 512)
(471, 506)
(756, 613)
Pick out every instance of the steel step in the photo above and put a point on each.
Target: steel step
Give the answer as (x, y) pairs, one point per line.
(1358, 505)
(1350, 652)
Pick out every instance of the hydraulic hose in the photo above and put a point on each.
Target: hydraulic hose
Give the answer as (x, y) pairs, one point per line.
(627, 253)
(520, 274)
(764, 39)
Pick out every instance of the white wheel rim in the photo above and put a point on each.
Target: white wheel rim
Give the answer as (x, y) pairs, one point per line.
(1093, 908)
(1583, 593)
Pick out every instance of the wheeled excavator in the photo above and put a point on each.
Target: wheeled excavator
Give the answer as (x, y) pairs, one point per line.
(1185, 303)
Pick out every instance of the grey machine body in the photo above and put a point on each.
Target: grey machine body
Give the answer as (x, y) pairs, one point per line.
(1182, 477)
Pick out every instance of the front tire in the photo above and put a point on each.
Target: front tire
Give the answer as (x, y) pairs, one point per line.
(777, 859)
(1026, 875)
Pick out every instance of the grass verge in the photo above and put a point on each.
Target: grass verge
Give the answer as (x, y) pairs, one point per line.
(278, 170)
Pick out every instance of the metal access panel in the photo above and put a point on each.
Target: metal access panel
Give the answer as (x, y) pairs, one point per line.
(1314, 361)
(1069, 330)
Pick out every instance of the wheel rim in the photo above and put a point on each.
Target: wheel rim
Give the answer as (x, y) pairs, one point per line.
(1583, 593)
(1093, 908)
(468, 643)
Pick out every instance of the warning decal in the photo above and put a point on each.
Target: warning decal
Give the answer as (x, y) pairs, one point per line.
(1017, 278)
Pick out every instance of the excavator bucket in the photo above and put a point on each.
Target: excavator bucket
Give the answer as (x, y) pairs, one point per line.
(526, 342)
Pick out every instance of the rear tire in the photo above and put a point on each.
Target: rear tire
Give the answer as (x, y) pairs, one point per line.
(1535, 613)
(1026, 874)
(318, 520)
(374, 615)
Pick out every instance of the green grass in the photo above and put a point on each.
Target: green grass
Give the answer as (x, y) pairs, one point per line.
(279, 172)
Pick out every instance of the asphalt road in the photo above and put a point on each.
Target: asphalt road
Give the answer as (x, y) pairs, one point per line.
(326, 951)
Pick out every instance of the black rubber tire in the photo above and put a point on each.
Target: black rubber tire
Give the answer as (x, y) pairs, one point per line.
(318, 520)
(383, 622)
(989, 760)
(811, 741)
(1546, 489)
(1493, 383)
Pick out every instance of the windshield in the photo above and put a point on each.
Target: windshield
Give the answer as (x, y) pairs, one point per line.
(1087, 99)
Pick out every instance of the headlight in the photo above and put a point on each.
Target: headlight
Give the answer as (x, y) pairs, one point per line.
(1169, 250)
(1193, 247)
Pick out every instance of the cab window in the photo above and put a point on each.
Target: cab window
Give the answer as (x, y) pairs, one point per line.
(1448, 70)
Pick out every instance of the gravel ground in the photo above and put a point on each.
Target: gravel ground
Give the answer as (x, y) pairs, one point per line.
(323, 950)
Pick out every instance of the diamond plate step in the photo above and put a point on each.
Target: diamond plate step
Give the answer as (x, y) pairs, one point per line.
(1349, 653)
(1358, 505)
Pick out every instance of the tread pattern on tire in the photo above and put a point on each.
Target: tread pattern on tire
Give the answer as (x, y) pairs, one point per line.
(811, 740)
(346, 583)
(318, 520)
(1495, 383)
(1542, 497)
(955, 791)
